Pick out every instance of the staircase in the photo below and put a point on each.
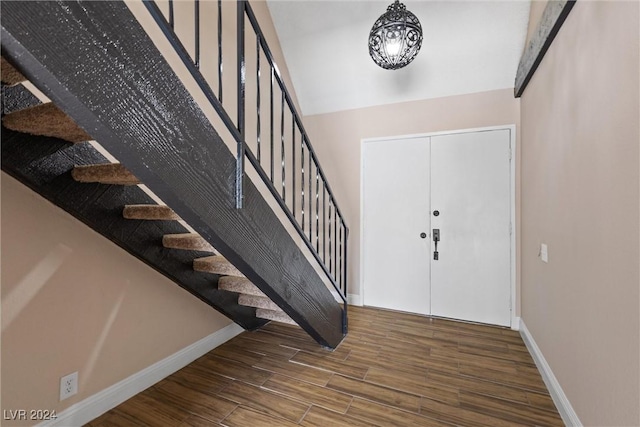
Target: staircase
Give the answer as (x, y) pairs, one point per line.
(242, 262)
(47, 120)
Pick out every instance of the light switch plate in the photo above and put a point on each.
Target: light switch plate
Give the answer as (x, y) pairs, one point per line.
(544, 253)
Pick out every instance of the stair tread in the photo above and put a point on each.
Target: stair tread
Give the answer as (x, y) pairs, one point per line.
(106, 173)
(258, 302)
(150, 212)
(241, 285)
(186, 241)
(11, 76)
(216, 264)
(277, 316)
(45, 120)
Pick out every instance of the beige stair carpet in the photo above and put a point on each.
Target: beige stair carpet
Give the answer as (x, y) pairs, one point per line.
(258, 302)
(186, 241)
(216, 264)
(276, 316)
(45, 120)
(10, 76)
(150, 212)
(240, 285)
(107, 173)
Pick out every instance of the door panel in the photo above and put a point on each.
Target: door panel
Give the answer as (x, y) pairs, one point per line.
(470, 187)
(466, 177)
(395, 212)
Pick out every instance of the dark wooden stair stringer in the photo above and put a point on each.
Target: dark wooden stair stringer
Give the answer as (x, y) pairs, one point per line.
(151, 124)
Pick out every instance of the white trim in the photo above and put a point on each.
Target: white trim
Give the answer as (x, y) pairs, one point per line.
(352, 299)
(444, 132)
(569, 416)
(361, 248)
(101, 402)
(516, 324)
(515, 320)
(512, 130)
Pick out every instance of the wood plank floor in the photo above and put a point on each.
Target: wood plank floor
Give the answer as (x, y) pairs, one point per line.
(393, 369)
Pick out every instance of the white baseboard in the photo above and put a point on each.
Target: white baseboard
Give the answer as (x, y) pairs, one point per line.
(565, 409)
(352, 299)
(515, 323)
(101, 402)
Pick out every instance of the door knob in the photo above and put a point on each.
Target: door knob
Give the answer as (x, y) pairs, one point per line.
(436, 239)
(423, 235)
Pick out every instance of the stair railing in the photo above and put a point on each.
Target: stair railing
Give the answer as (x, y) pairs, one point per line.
(301, 189)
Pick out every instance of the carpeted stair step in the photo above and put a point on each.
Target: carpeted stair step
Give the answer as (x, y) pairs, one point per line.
(150, 212)
(241, 285)
(258, 302)
(216, 264)
(10, 76)
(186, 241)
(107, 173)
(277, 316)
(45, 120)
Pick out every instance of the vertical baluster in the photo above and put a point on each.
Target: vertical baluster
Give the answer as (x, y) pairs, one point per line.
(339, 281)
(196, 6)
(330, 245)
(282, 156)
(335, 244)
(324, 222)
(345, 272)
(302, 181)
(241, 67)
(171, 17)
(310, 193)
(241, 103)
(220, 50)
(345, 291)
(258, 130)
(346, 253)
(293, 166)
(317, 210)
(271, 125)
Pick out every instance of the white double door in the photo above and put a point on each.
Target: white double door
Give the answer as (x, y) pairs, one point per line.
(460, 185)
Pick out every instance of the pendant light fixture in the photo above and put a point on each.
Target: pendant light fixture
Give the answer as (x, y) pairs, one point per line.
(396, 37)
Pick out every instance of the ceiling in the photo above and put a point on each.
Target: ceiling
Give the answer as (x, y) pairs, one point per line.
(469, 46)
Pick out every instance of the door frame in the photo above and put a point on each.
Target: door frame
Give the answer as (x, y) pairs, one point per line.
(515, 297)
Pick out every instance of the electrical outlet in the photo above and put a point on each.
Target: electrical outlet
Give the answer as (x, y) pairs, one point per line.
(68, 385)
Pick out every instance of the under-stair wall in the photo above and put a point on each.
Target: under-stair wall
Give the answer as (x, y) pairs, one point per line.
(74, 301)
(133, 121)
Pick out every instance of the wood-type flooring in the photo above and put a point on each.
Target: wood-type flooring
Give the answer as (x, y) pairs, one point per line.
(393, 369)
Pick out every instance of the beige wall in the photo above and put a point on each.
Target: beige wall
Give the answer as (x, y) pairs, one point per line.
(580, 195)
(74, 301)
(337, 139)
